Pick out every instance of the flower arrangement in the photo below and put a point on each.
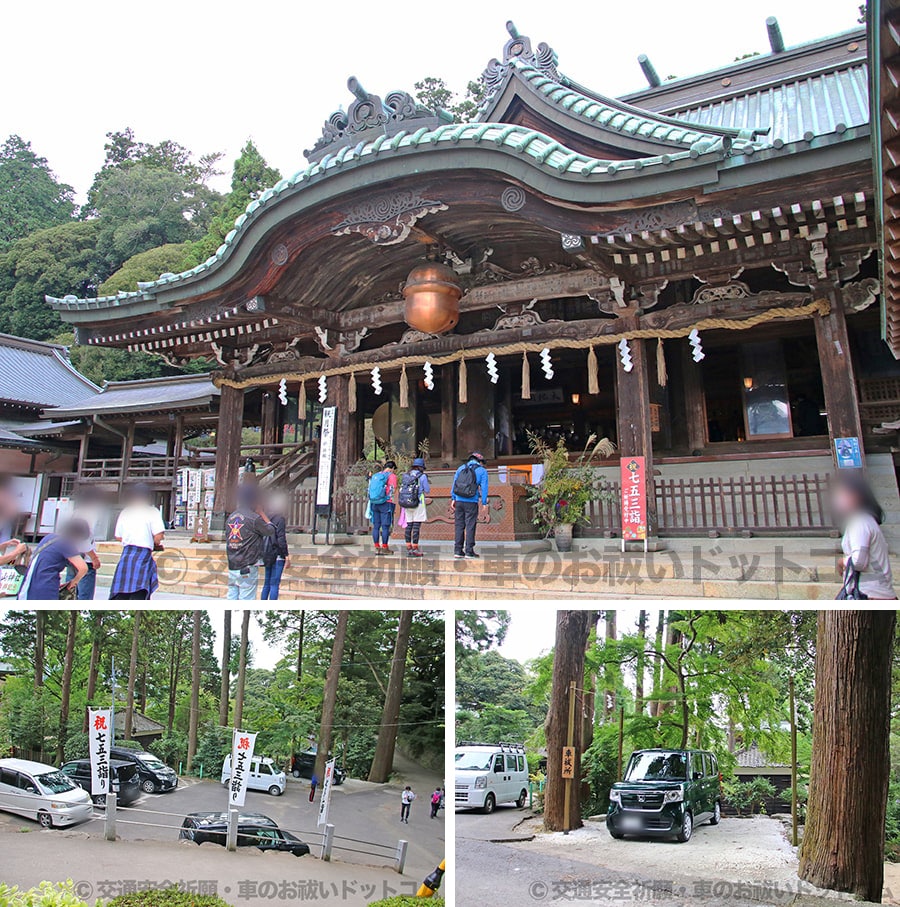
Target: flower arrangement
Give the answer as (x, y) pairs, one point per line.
(562, 496)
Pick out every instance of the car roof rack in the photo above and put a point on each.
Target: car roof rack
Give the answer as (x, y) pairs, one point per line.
(503, 747)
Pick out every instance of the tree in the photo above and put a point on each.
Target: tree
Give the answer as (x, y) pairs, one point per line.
(572, 632)
(479, 630)
(433, 93)
(150, 265)
(226, 669)
(66, 687)
(31, 198)
(843, 842)
(40, 622)
(242, 670)
(332, 679)
(132, 674)
(195, 689)
(56, 261)
(383, 761)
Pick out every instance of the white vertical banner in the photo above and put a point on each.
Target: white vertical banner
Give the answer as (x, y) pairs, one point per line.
(326, 793)
(242, 745)
(326, 455)
(99, 742)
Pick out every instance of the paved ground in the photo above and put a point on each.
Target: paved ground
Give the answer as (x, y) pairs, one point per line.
(148, 840)
(742, 861)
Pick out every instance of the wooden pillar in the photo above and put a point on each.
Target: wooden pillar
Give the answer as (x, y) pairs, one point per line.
(127, 450)
(228, 453)
(268, 417)
(838, 375)
(345, 434)
(83, 450)
(694, 398)
(449, 392)
(635, 438)
(178, 440)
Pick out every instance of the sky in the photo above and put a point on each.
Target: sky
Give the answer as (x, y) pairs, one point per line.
(212, 73)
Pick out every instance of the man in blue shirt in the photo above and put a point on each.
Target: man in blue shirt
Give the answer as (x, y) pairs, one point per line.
(468, 496)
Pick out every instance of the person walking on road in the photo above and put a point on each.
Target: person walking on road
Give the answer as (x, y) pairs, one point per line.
(406, 799)
(245, 532)
(469, 497)
(436, 798)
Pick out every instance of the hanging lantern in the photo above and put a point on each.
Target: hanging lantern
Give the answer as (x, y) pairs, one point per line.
(432, 294)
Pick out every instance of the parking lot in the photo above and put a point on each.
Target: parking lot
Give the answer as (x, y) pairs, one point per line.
(366, 813)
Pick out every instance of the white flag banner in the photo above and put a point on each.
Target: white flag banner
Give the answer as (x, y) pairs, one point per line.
(326, 792)
(242, 745)
(99, 742)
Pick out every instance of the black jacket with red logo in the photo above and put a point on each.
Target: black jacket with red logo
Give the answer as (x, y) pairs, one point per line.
(245, 534)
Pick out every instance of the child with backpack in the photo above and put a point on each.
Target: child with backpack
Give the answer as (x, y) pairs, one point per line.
(414, 485)
(382, 487)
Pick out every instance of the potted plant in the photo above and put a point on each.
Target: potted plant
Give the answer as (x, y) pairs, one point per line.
(560, 500)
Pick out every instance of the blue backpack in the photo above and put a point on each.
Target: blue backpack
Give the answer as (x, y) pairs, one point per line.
(378, 488)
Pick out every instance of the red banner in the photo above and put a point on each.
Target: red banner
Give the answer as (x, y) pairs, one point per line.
(634, 499)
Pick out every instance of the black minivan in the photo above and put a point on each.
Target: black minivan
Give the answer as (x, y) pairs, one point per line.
(154, 775)
(126, 783)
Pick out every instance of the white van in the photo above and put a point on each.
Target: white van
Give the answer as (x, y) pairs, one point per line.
(263, 775)
(488, 774)
(42, 792)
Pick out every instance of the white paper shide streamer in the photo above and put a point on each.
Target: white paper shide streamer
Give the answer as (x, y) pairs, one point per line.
(282, 392)
(625, 355)
(428, 368)
(696, 346)
(323, 388)
(376, 381)
(546, 363)
(491, 361)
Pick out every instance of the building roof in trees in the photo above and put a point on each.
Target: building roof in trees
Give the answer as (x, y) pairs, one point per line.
(35, 374)
(141, 725)
(752, 757)
(146, 395)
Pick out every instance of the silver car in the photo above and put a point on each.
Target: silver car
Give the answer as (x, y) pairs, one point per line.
(43, 793)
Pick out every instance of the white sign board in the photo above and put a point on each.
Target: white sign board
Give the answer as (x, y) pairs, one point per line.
(99, 741)
(326, 455)
(242, 745)
(326, 792)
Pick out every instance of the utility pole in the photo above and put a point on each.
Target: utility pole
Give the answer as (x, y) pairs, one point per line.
(570, 742)
(794, 835)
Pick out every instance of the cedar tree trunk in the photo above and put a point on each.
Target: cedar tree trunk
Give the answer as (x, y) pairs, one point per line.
(195, 690)
(132, 674)
(242, 671)
(330, 695)
(66, 689)
(225, 690)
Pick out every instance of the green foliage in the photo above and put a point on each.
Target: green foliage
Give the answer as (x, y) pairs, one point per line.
(403, 900)
(31, 198)
(172, 747)
(170, 897)
(149, 265)
(599, 767)
(433, 93)
(566, 488)
(478, 630)
(47, 894)
(56, 261)
(749, 797)
(213, 744)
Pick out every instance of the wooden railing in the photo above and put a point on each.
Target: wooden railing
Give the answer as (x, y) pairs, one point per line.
(302, 509)
(140, 468)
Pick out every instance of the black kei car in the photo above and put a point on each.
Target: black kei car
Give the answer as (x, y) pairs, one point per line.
(302, 765)
(254, 830)
(126, 784)
(154, 775)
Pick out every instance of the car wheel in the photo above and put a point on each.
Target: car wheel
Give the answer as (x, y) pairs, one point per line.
(616, 834)
(275, 790)
(489, 804)
(100, 800)
(45, 820)
(523, 799)
(717, 814)
(687, 828)
(148, 787)
(296, 772)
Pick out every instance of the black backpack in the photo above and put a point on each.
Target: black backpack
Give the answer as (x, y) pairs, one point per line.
(466, 483)
(409, 489)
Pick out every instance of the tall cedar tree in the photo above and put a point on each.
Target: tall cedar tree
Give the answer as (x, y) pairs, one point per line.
(225, 689)
(242, 671)
(326, 728)
(843, 842)
(193, 720)
(132, 675)
(65, 692)
(572, 632)
(383, 761)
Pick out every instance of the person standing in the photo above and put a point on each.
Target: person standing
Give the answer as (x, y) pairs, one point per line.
(414, 485)
(406, 799)
(468, 498)
(436, 798)
(863, 542)
(246, 529)
(141, 530)
(382, 487)
(275, 551)
(87, 508)
(57, 552)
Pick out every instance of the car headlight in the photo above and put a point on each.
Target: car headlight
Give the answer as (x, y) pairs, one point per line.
(480, 782)
(673, 796)
(615, 796)
(58, 805)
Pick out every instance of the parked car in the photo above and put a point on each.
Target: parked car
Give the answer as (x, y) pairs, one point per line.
(124, 779)
(263, 775)
(491, 773)
(155, 776)
(666, 793)
(302, 765)
(254, 830)
(42, 792)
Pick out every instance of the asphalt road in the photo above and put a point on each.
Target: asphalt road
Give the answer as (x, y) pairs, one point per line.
(358, 810)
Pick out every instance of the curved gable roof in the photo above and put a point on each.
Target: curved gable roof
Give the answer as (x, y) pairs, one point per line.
(36, 374)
